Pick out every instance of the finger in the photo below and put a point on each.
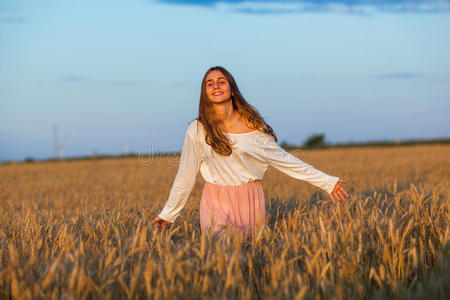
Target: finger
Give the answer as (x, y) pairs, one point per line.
(343, 190)
(342, 196)
(338, 197)
(332, 198)
(342, 181)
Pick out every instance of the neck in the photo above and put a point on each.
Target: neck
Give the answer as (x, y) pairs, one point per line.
(224, 111)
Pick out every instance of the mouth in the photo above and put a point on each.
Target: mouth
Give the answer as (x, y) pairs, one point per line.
(217, 93)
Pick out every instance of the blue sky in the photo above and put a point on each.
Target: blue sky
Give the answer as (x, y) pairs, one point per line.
(116, 73)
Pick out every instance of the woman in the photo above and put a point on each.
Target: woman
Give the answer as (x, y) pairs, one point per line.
(232, 146)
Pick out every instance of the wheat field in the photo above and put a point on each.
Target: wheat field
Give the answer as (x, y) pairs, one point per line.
(81, 230)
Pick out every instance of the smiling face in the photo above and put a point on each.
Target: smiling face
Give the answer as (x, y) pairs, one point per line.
(217, 87)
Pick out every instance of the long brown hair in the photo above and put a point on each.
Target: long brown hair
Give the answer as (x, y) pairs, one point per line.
(214, 136)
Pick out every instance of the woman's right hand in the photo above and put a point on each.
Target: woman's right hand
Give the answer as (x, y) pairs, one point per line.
(161, 223)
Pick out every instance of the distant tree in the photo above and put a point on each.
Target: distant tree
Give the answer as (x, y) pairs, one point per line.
(284, 145)
(315, 141)
(28, 159)
(287, 146)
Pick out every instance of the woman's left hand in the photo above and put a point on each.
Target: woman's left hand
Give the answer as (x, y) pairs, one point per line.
(339, 192)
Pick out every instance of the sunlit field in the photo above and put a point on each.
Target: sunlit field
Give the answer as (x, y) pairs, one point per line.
(81, 229)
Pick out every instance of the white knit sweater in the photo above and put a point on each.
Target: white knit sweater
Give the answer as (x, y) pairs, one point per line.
(251, 155)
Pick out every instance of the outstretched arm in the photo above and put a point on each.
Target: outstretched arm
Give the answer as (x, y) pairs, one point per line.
(183, 183)
(296, 168)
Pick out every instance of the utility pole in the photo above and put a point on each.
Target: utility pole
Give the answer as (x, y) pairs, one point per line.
(126, 148)
(57, 147)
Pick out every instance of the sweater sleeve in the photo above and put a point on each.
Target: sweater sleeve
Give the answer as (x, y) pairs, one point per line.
(296, 168)
(184, 180)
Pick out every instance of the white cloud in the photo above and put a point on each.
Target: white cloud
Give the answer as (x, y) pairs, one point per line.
(285, 6)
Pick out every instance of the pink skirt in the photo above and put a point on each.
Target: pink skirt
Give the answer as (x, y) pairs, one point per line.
(237, 206)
